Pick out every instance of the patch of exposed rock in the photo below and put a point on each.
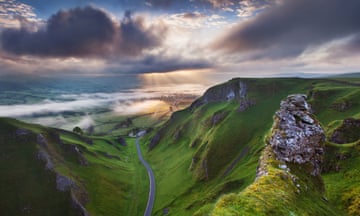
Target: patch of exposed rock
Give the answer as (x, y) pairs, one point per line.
(232, 90)
(44, 156)
(348, 132)
(297, 136)
(40, 139)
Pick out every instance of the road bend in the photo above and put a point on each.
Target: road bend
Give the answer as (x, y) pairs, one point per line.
(151, 198)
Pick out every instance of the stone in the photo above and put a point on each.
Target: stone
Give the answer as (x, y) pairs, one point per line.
(348, 132)
(297, 136)
(63, 183)
(40, 139)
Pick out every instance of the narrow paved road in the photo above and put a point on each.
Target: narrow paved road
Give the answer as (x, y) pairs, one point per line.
(151, 197)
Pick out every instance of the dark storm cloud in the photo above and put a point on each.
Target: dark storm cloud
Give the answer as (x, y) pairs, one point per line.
(288, 29)
(83, 32)
(76, 32)
(134, 37)
(192, 15)
(160, 64)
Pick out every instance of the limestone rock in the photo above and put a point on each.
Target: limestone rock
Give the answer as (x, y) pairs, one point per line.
(348, 132)
(296, 135)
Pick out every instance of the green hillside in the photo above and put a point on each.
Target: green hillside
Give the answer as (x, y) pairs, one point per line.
(204, 157)
(49, 171)
(212, 148)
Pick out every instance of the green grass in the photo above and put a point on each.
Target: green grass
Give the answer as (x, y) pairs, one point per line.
(26, 185)
(278, 193)
(107, 186)
(183, 191)
(196, 162)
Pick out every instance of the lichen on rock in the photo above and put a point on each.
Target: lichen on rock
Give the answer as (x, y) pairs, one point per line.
(297, 136)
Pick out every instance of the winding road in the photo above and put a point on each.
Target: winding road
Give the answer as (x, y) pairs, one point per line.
(151, 197)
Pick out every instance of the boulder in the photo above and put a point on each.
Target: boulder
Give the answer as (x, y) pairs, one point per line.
(297, 136)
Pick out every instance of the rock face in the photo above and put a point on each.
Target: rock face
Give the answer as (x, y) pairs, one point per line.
(233, 90)
(348, 132)
(297, 136)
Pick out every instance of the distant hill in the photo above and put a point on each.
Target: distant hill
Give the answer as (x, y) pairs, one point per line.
(347, 75)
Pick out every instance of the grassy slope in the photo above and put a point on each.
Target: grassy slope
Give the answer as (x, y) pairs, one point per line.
(280, 192)
(26, 185)
(114, 186)
(182, 191)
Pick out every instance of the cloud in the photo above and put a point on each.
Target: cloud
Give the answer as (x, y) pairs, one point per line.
(192, 15)
(161, 3)
(159, 63)
(12, 11)
(292, 27)
(134, 36)
(85, 122)
(84, 32)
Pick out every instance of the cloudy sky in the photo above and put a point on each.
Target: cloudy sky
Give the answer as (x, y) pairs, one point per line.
(236, 37)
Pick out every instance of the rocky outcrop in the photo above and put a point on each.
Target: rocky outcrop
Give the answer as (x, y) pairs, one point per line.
(155, 140)
(341, 106)
(44, 156)
(296, 135)
(233, 90)
(348, 132)
(40, 139)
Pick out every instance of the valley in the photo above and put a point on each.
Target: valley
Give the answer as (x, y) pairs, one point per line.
(204, 157)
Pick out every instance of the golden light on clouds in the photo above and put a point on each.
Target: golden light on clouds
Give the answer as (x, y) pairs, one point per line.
(198, 76)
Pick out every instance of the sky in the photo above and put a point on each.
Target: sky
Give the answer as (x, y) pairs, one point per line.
(218, 38)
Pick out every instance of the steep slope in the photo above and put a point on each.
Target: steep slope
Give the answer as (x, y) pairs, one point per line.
(212, 147)
(288, 176)
(48, 171)
(27, 183)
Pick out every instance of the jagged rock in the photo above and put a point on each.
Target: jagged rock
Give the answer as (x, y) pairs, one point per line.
(296, 135)
(22, 132)
(63, 183)
(218, 117)
(44, 156)
(155, 140)
(341, 106)
(233, 90)
(348, 132)
(75, 150)
(245, 104)
(40, 139)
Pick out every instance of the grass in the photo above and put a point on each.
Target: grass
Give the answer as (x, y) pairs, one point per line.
(280, 192)
(200, 167)
(108, 185)
(184, 191)
(26, 185)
